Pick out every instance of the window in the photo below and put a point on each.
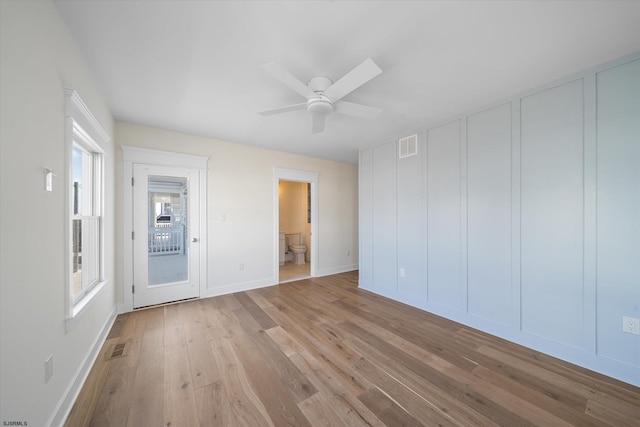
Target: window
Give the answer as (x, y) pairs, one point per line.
(86, 218)
(86, 142)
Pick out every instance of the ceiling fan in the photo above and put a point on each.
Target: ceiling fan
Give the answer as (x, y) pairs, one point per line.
(324, 96)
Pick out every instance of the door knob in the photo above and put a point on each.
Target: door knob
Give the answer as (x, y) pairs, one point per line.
(194, 239)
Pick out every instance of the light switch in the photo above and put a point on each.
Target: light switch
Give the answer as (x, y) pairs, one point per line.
(48, 180)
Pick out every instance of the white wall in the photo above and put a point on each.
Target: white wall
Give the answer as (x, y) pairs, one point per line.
(520, 219)
(38, 59)
(240, 186)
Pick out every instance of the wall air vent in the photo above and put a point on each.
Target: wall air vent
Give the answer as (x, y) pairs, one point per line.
(408, 146)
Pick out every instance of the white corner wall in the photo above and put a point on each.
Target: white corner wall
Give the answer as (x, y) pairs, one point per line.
(38, 60)
(240, 186)
(520, 219)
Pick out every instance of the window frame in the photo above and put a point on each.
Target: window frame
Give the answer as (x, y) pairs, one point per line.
(83, 131)
(91, 209)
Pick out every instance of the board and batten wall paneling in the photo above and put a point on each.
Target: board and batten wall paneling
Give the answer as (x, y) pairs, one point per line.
(618, 210)
(552, 213)
(528, 214)
(384, 217)
(365, 214)
(489, 214)
(409, 208)
(444, 216)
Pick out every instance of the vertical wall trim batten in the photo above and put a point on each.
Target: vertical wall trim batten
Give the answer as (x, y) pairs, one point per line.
(590, 319)
(464, 214)
(425, 213)
(516, 301)
(516, 218)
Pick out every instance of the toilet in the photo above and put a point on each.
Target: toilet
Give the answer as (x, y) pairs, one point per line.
(298, 250)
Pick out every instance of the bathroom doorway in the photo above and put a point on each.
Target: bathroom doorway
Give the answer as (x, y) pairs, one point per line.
(294, 258)
(295, 212)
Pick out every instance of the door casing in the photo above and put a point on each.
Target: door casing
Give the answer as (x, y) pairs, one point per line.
(136, 155)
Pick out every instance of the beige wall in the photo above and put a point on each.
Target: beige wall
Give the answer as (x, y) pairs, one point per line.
(38, 59)
(240, 185)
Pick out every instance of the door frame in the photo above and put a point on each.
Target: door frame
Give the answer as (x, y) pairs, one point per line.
(136, 155)
(295, 176)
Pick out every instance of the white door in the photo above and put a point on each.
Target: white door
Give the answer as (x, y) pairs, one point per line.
(166, 239)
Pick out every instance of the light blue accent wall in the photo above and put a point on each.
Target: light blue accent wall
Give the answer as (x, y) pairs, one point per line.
(618, 210)
(365, 213)
(552, 213)
(443, 200)
(409, 197)
(489, 214)
(521, 219)
(384, 217)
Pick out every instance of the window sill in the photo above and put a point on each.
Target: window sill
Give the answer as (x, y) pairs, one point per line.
(81, 306)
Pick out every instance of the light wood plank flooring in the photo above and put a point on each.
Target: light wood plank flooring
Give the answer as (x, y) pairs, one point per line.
(322, 352)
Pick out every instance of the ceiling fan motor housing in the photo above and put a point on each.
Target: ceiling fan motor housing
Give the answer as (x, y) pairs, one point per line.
(319, 105)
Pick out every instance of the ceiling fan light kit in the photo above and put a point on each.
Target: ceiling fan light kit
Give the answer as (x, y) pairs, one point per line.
(324, 96)
(321, 105)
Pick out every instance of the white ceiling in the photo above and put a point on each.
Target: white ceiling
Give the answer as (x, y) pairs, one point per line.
(194, 66)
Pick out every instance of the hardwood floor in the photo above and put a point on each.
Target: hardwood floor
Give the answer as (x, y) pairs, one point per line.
(322, 352)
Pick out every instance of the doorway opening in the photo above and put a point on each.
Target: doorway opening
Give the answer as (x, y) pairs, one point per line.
(294, 254)
(296, 210)
(164, 227)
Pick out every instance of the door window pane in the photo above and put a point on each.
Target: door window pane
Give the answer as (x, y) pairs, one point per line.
(167, 230)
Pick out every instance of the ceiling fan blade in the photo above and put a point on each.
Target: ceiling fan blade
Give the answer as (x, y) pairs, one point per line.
(358, 110)
(288, 79)
(284, 109)
(353, 80)
(317, 123)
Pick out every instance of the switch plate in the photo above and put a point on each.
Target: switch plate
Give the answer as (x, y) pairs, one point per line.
(48, 368)
(48, 180)
(631, 325)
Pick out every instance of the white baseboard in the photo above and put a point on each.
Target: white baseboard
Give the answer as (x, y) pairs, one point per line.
(240, 287)
(70, 395)
(336, 270)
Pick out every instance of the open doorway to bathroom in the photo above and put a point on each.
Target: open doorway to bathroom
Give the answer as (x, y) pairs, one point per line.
(294, 236)
(295, 211)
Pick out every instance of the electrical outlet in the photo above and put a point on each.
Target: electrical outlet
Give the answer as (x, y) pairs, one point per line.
(241, 266)
(631, 325)
(402, 272)
(348, 252)
(48, 368)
